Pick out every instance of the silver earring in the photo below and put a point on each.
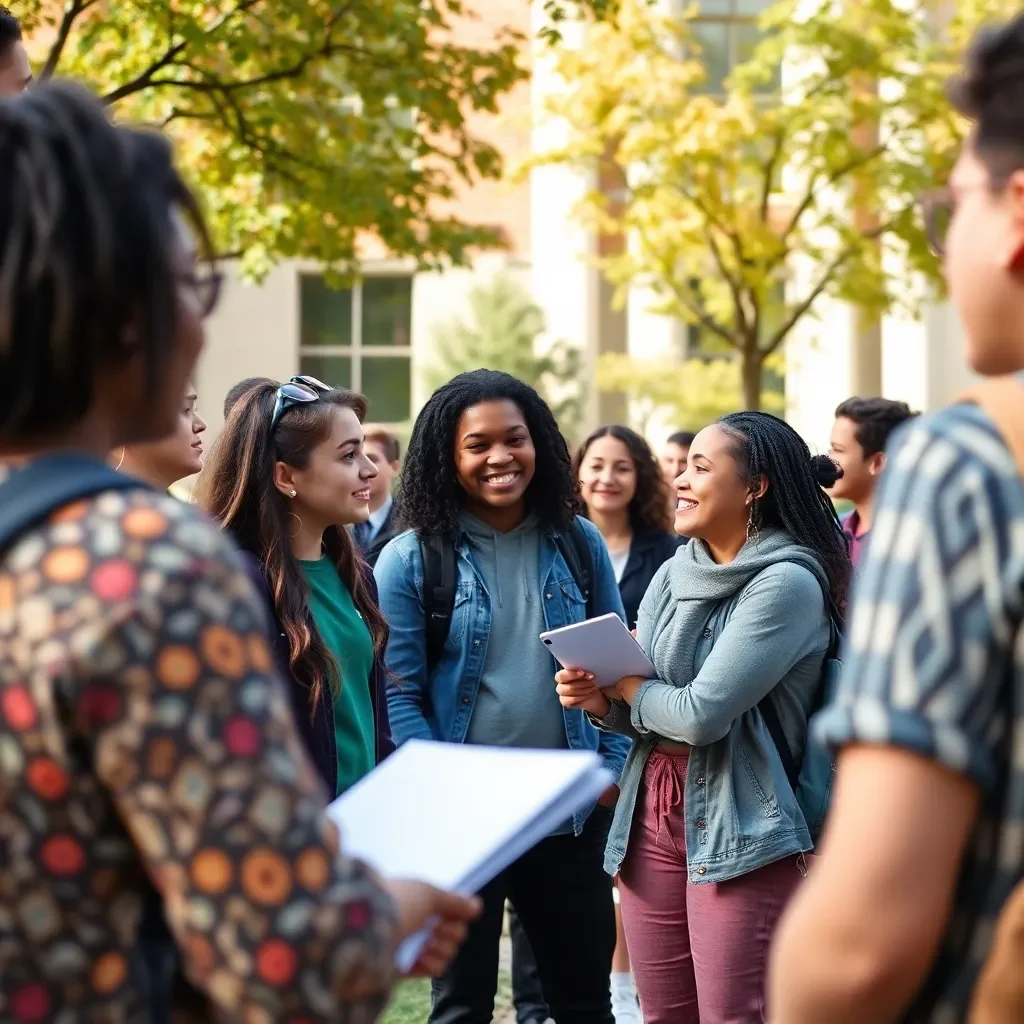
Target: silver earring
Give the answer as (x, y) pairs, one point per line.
(294, 493)
(752, 534)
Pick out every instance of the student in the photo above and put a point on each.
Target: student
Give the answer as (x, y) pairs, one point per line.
(371, 535)
(487, 478)
(163, 463)
(923, 842)
(286, 477)
(149, 754)
(236, 391)
(708, 837)
(859, 436)
(673, 457)
(15, 70)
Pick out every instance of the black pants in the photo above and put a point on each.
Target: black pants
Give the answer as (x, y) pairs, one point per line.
(527, 991)
(564, 901)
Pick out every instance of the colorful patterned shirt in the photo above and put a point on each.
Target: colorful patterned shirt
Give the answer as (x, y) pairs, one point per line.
(934, 661)
(143, 733)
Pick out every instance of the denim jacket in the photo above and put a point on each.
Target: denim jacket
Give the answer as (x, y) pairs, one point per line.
(441, 706)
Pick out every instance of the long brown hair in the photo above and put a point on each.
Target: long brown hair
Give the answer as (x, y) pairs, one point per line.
(237, 488)
(649, 509)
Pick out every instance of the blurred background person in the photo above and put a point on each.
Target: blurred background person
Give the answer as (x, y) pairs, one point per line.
(179, 455)
(382, 450)
(859, 436)
(673, 457)
(15, 70)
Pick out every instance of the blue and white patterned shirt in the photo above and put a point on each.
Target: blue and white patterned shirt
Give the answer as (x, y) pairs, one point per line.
(935, 658)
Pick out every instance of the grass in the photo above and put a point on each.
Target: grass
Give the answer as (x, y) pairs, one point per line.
(411, 1002)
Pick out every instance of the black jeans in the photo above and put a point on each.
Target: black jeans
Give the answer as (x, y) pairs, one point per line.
(564, 901)
(527, 991)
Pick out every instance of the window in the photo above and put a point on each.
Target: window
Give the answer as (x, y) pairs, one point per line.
(727, 32)
(360, 338)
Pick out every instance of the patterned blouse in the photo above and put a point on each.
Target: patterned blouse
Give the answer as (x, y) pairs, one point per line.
(143, 733)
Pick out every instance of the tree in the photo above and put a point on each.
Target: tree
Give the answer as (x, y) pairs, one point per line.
(737, 212)
(502, 334)
(307, 124)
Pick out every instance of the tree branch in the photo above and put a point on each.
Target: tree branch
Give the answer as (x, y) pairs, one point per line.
(71, 11)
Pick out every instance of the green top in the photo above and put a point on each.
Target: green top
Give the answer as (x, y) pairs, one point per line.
(349, 641)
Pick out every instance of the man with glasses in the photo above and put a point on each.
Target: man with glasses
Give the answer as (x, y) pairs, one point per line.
(925, 840)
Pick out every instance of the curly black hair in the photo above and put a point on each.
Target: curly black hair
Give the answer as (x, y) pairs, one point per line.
(768, 447)
(429, 496)
(649, 509)
(990, 92)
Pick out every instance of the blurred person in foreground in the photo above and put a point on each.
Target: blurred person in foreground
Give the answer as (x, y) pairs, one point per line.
(150, 756)
(15, 70)
(859, 436)
(923, 843)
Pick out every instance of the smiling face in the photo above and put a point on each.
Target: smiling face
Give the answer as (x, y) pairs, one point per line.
(712, 499)
(607, 476)
(860, 473)
(334, 487)
(494, 460)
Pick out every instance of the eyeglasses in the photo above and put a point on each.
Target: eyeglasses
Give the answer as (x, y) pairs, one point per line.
(938, 207)
(205, 287)
(297, 391)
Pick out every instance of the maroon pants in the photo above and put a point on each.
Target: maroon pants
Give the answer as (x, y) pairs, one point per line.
(699, 952)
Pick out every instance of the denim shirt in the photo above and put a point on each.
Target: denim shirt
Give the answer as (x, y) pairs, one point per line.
(770, 636)
(440, 707)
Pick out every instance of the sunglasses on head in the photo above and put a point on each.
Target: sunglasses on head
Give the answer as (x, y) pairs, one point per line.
(297, 391)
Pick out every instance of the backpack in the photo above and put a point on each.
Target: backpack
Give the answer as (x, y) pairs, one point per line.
(440, 575)
(998, 996)
(27, 498)
(811, 779)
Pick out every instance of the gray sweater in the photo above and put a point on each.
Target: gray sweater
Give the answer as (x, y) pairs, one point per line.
(516, 705)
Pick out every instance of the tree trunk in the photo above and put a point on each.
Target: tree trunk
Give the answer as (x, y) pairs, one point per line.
(752, 370)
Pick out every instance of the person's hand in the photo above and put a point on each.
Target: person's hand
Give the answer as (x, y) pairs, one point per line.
(446, 914)
(628, 686)
(610, 797)
(577, 689)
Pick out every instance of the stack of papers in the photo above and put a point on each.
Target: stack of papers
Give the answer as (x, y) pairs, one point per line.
(456, 816)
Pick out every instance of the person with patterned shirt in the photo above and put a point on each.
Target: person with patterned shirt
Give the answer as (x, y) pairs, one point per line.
(147, 750)
(924, 838)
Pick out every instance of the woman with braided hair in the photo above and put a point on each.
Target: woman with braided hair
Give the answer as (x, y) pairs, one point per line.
(708, 837)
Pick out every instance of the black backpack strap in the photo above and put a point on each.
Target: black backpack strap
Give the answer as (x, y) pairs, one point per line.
(771, 716)
(49, 483)
(574, 549)
(440, 575)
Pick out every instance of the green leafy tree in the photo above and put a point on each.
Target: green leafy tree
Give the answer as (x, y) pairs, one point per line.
(307, 124)
(502, 333)
(738, 214)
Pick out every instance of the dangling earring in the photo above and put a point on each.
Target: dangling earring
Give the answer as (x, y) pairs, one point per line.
(752, 534)
(120, 462)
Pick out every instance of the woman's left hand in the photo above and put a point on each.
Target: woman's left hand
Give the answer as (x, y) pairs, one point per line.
(627, 687)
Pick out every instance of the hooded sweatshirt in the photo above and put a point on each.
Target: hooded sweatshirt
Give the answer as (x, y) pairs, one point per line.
(516, 705)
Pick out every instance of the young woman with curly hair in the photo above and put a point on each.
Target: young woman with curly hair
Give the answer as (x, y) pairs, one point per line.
(488, 471)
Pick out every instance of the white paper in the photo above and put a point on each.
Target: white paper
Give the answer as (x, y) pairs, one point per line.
(456, 816)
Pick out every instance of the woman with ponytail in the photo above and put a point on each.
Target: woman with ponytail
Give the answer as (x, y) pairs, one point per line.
(708, 838)
(286, 477)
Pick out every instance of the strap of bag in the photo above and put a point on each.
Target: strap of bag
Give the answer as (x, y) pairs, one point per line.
(29, 495)
(771, 716)
(440, 574)
(1003, 399)
(575, 550)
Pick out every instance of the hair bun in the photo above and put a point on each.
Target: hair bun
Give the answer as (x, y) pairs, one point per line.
(825, 470)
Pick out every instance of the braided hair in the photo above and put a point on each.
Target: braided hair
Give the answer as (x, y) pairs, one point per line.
(429, 497)
(87, 241)
(794, 501)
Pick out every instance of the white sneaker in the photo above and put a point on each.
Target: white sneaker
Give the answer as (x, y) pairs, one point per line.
(625, 1004)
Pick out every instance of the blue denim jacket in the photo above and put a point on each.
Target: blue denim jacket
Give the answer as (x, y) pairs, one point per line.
(439, 708)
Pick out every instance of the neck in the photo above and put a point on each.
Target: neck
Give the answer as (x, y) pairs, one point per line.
(503, 519)
(148, 474)
(865, 513)
(378, 503)
(308, 542)
(614, 527)
(726, 549)
(87, 439)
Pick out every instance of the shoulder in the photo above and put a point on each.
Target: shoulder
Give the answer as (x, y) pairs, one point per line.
(590, 531)
(399, 558)
(788, 585)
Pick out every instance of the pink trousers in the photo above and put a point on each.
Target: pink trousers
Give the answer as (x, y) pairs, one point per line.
(699, 952)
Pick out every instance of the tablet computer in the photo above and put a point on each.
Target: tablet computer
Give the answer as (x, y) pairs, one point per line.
(603, 646)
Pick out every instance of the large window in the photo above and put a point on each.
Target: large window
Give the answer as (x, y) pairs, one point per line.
(359, 338)
(727, 32)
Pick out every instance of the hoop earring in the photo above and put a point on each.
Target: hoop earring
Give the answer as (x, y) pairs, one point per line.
(292, 536)
(753, 536)
(121, 460)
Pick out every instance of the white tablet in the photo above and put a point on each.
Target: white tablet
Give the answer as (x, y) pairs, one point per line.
(603, 646)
